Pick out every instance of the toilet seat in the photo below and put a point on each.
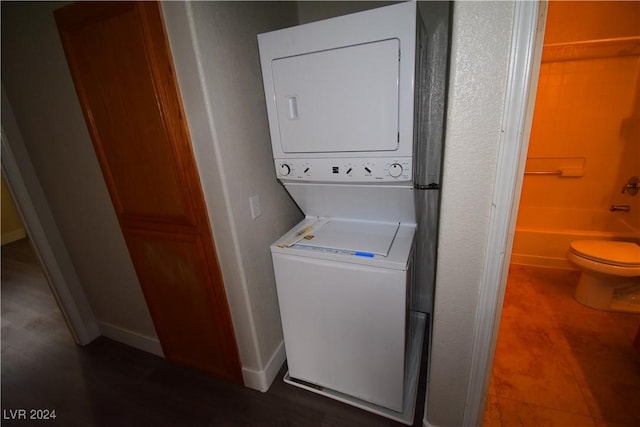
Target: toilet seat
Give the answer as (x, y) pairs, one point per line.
(619, 254)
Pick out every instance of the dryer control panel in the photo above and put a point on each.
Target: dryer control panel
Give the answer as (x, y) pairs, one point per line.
(345, 170)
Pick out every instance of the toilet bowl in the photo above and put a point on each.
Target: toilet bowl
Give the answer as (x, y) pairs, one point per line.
(610, 274)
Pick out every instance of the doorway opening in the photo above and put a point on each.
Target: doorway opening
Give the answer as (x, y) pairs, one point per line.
(558, 362)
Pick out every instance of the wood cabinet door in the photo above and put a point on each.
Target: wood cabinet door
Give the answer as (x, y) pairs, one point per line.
(122, 69)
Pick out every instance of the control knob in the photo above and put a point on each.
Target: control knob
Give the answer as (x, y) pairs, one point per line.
(285, 169)
(395, 170)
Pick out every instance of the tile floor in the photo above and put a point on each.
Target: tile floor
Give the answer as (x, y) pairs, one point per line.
(559, 363)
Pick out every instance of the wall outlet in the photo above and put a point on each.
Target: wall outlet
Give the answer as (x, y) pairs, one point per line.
(256, 210)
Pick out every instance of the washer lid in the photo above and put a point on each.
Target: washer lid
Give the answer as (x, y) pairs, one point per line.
(625, 254)
(366, 238)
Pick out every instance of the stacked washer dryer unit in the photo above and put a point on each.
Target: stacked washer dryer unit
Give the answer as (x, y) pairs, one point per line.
(344, 110)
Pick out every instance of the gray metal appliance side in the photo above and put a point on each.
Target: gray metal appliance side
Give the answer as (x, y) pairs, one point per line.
(432, 58)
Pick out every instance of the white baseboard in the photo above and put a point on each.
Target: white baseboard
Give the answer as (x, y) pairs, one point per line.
(540, 261)
(261, 380)
(86, 332)
(134, 339)
(13, 235)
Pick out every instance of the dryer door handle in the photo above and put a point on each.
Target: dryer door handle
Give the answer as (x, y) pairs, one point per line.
(292, 102)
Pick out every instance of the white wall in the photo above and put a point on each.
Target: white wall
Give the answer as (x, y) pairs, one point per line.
(43, 232)
(38, 85)
(311, 11)
(481, 39)
(216, 58)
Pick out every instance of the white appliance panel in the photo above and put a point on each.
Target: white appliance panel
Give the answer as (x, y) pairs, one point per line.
(344, 326)
(397, 258)
(373, 35)
(346, 170)
(339, 100)
(363, 237)
(363, 202)
(340, 103)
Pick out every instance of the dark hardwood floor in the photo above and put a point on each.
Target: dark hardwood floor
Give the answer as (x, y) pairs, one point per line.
(110, 384)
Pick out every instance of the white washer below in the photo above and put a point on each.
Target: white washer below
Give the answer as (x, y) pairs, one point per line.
(343, 297)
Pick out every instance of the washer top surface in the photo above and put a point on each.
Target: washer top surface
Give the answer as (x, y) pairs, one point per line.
(366, 238)
(381, 244)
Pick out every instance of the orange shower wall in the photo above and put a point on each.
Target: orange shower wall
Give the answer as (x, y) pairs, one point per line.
(588, 107)
(570, 21)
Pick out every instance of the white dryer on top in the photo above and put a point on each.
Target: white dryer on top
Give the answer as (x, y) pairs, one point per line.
(340, 97)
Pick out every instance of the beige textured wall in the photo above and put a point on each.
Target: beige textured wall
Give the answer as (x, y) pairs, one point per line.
(480, 47)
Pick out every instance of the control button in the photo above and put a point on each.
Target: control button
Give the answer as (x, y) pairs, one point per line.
(366, 168)
(349, 171)
(285, 169)
(395, 170)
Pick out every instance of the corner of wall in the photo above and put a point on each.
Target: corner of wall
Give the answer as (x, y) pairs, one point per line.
(43, 231)
(262, 380)
(132, 338)
(83, 247)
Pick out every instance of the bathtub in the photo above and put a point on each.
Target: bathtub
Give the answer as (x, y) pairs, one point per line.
(543, 235)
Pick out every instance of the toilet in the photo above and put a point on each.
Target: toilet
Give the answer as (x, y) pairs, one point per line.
(610, 274)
